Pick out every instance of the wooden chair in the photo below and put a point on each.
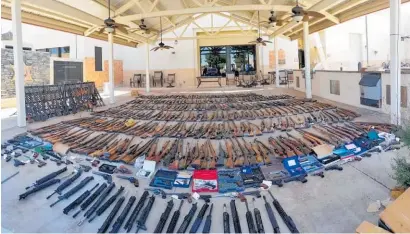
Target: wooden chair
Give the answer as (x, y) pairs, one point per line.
(134, 81)
(142, 80)
(263, 78)
(170, 80)
(157, 78)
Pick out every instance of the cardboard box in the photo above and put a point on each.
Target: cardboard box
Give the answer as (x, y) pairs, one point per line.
(134, 92)
(366, 227)
(397, 215)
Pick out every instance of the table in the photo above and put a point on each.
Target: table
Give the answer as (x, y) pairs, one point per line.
(209, 79)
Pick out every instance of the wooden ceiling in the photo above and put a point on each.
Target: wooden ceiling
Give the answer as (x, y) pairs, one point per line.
(83, 17)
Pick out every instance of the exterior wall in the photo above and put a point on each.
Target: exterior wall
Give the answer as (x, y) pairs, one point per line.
(36, 70)
(340, 51)
(350, 88)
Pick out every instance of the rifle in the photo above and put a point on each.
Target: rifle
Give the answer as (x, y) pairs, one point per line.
(225, 216)
(143, 218)
(100, 190)
(250, 153)
(239, 158)
(135, 212)
(72, 191)
(208, 221)
(175, 163)
(79, 200)
(120, 220)
(285, 217)
(47, 178)
(183, 158)
(187, 219)
(271, 216)
(174, 219)
(249, 219)
(111, 216)
(258, 218)
(106, 205)
(235, 217)
(40, 187)
(258, 156)
(66, 183)
(199, 218)
(229, 151)
(263, 152)
(164, 217)
(221, 156)
(213, 157)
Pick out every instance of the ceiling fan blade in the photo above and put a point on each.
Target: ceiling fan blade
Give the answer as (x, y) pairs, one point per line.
(267, 41)
(305, 18)
(121, 25)
(121, 29)
(263, 43)
(154, 49)
(101, 30)
(314, 14)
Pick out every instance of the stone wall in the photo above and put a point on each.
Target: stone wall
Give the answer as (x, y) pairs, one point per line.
(36, 70)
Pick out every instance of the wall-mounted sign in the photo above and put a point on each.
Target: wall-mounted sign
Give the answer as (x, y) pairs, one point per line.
(68, 72)
(282, 58)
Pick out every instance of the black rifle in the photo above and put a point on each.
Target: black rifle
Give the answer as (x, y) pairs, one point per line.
(141, 221)
(95, 206)
(249, 219)
(271, 215)
(106, 204)
(79, 200)
(120, 220)
(39, 187)
(174, 219)
(47, 177)
(227, 228)
(66, 183)
(93, 196)
(73, 190)
(136, 211)
(235, 217)
(111, 216)
(285, 217)
(199, 219)
(208, 221)
(164, 217)
(187, 219)
(258, 218)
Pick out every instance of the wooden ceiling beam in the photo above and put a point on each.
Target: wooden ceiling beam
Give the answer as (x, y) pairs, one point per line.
(192, 11)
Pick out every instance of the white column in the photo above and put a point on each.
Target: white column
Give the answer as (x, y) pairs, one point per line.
(147, 69)
(395, 69)
(18, 62)
(111, 68)
(307, 60)
(276, 61)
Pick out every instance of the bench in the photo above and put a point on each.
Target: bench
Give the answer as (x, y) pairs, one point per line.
(209, 79)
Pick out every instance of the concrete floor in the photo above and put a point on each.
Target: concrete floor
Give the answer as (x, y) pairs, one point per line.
(335, 203)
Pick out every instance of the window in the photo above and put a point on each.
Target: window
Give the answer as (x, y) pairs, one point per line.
(98, 58)
(297, 82)
(403, 92)
(403, 95)
(58, 52)
(216, 60)
(335, 87)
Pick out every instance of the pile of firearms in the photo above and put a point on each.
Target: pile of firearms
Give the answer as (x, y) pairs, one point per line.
(96, 200)
(47, 101)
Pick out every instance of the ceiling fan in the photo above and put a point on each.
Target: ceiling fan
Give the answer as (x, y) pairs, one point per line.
(141, 27)
(161, 45)
(272, 21)
(299, 14)
(110, 26)
(259, 40)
